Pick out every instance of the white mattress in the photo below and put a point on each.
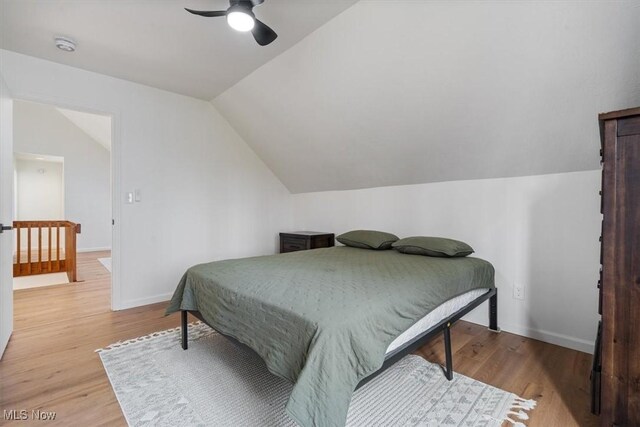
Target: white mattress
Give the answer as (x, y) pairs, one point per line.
(439, 313)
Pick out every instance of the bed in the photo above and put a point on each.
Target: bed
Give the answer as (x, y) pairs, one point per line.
(330, 319)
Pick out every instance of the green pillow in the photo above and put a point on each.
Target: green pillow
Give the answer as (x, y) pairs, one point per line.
(433, 246)
(367, 239)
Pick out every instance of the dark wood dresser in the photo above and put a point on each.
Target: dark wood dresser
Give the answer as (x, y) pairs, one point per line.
(616, 370)
(303, 240)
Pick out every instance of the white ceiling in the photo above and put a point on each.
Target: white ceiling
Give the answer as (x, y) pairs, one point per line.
(406, 92)
(157, 43)
(97, 126)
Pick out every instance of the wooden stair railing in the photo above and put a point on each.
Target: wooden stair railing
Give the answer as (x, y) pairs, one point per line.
(48, 259)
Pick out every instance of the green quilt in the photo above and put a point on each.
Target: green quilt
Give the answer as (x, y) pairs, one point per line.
(324, 318)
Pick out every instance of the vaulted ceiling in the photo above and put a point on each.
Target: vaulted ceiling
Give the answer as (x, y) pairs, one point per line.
(158, 43)
(97, 126)
(407, 92)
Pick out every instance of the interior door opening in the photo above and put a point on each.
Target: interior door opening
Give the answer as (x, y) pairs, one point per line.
(62, 211)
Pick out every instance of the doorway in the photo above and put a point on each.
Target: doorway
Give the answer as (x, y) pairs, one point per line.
(62, 198)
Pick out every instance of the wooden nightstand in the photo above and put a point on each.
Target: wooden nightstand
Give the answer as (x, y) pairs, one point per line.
(303, 240)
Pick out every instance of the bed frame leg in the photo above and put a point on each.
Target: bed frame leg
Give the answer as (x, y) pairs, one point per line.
(447, 352)
(493, 313)
(185, 329)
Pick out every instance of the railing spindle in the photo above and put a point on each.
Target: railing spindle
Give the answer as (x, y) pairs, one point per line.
(39, 249)
(29, 249)
(49, 248)
(69, 253)
(19, 231)
(57, 247)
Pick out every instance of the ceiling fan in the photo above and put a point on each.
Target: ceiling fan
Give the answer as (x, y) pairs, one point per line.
(240, 17)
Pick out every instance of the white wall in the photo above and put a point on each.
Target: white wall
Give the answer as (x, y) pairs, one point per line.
(205, 194)
(39, 190)
(42, 129)
(539, 231)
(6, 214)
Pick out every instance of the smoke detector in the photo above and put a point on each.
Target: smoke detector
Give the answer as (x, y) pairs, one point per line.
(66, 44)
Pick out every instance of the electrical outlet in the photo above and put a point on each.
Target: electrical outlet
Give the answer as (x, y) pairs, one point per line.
(518, 292)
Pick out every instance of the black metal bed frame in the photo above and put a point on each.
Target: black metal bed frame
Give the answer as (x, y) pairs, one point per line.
(408, 347)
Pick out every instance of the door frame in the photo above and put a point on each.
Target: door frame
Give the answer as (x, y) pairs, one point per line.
(116, 182)
(6, 152)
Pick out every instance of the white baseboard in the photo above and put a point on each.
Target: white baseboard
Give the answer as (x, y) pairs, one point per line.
(573, 343)
(562, 340)
(105, 248)
(143, 301)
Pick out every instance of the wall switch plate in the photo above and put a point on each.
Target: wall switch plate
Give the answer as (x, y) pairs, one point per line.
(518, 292)
(128, 197)
(137, 196)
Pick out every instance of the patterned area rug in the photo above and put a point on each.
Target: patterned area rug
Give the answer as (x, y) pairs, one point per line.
(219, 383)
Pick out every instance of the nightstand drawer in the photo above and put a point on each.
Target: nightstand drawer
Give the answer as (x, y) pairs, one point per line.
(323, 241)
(290, 244)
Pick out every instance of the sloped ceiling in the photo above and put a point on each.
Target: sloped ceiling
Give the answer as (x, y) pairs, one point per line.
(97, 126)
(405, 92)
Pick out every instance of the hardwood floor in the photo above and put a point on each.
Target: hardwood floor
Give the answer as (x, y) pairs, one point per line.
(50, 363)
(556, 377)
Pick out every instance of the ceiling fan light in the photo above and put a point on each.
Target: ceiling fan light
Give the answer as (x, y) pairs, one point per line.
(241, 20)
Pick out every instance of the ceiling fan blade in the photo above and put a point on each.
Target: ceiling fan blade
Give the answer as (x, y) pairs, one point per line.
(208, 14)
(263, 34)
